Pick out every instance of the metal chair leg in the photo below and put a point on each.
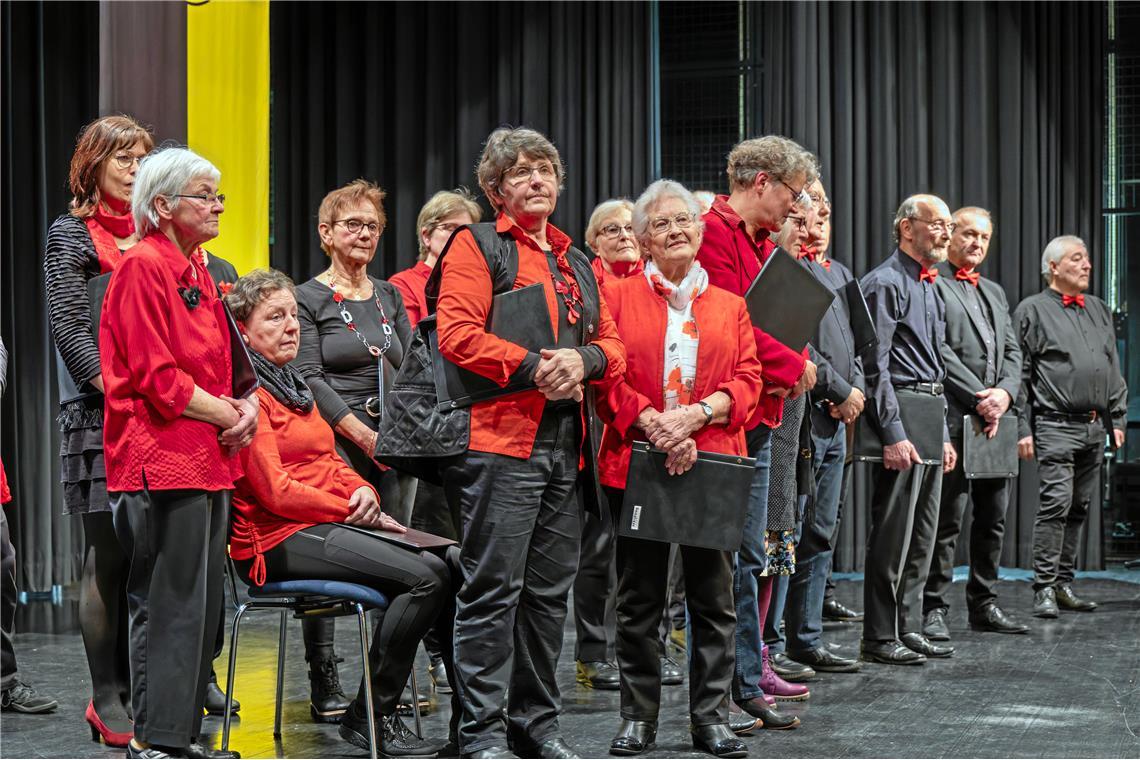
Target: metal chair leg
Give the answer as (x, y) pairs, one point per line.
(416, 702)
(230, 675)
(280, 676)
(373, 739)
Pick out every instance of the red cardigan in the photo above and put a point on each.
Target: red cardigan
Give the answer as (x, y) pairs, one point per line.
(726, 361)
(293, 479)
(733, 259)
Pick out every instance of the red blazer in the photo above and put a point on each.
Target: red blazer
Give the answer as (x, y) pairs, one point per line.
(509, 424)
(726, 361)
(733, 259)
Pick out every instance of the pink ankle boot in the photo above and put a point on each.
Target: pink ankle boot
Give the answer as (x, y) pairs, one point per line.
(777, 687)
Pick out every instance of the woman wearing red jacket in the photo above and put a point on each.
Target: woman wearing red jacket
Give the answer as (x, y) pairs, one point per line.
(692, 382)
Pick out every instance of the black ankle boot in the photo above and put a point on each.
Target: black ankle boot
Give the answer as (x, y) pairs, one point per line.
(328, 700)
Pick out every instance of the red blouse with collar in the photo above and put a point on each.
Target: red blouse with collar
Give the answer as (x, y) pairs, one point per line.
(154, 349)
(411, 283)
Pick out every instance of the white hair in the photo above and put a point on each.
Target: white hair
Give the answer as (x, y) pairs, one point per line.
(602, 212)
(1056, 251)
(654, 195)
(166, 172)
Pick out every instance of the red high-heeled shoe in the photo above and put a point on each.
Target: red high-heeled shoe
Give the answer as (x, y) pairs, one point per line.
(99, 729)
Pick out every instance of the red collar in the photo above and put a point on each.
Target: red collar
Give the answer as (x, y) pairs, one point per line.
(559, 240)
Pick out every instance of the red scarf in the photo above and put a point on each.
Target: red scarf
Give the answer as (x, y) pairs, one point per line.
(104, 228)
(1079, 300)
(964, 276)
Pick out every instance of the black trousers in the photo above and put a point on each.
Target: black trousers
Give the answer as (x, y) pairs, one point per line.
(1069, 456)
(904, 523)
(990, 497)
(419, 587)
(175, 542)
(519, 554)
(643, 592)
(7, 603)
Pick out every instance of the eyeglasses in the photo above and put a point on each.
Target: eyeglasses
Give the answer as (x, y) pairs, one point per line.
(937, 225)
(820, 200)
(354, 226)
(518, 174)
(126, 160)
(800, 196)
(613, 231)
(209, 198)
(799, 222)
(447, 229)
(663, 224)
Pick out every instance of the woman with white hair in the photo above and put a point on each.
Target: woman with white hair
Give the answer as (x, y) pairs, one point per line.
(671, 320)
(171, 433)
(609, 235)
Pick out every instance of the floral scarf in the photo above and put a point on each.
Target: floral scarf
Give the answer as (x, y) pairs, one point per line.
(681, 334)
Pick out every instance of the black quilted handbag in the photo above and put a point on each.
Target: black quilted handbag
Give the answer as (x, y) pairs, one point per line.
(414, 436)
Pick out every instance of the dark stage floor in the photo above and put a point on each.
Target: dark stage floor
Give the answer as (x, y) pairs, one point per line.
(1071, 688)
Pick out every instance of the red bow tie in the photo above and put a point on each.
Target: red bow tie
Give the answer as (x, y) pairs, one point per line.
(928, 275)
(1079, 300)
(970, 277)
(805, 253)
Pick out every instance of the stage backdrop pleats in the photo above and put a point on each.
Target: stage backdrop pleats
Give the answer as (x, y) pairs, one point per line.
(227, 118)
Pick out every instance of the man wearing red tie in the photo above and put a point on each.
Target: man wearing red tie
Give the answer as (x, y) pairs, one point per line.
(910, 321)
(1071, 394)
(983, 375)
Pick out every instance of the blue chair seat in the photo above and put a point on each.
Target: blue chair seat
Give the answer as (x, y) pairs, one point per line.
(353, 592)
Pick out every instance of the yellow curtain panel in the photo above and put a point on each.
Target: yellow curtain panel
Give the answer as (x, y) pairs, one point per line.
(227, 118)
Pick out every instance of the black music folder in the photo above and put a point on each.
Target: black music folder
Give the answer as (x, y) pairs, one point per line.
(862, 326)
(96, 292)
(520, 316)
(786, 301)
(922, 416)
(414, 540)
(704, 507)
(984, 457)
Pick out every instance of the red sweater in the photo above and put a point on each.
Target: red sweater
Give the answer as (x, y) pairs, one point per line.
(726, 361)
(733, 259)
(293, 480)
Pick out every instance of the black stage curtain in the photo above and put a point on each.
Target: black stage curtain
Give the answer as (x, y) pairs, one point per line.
(404, 95)
(50, 80)
(999, 105)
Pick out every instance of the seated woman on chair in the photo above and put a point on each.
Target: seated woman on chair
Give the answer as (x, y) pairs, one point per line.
(297, 496)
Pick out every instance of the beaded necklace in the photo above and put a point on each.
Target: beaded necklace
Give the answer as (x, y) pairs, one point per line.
(338, 299)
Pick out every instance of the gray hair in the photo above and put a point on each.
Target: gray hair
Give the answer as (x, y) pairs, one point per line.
(908, 209)
(602, 212)
(1056, 250)
(778, 157)
(253, 288)
(502, 150)
(659, 191)
(166, 172)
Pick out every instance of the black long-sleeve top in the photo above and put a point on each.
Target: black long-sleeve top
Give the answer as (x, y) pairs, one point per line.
(832, 347)
(1069, 361)
(910, 322)
(334, 362)
(70, 260)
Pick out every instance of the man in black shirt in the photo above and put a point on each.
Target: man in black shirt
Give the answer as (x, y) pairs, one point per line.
(983, 375)
(1072, 392)
(910, 319)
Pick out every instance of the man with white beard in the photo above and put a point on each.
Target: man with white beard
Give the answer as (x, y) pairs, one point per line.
(910, 320)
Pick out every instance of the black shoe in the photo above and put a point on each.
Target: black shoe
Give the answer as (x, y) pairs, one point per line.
(671, 672)
(439, 679)
(919, 643)
(934, 625)
(892, 652)
(491, 753)
(1045, 603)
(19, 697)
(741, 722)
(396, 739)
(554, 749)
(634, 737)
(718, 740)
(825, 660)
(603, 676)
(1067, 600)
(200, 751)
(327, 699)
(991, 618)
(833, 609)
(769, 716)
(789, 669)
(150, 753)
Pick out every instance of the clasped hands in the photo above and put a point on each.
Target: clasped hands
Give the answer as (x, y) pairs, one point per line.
(365, 512)
(560, 374)
(672, 433)
(243, 423)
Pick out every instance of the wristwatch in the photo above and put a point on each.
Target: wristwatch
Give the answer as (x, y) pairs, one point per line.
(708, 410)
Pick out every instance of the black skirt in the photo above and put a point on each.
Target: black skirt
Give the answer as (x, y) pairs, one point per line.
(81, 469)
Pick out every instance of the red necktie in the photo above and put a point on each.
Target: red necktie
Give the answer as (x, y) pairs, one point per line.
(928, 275)
(1079, 300)
(826, 264)
(970, 277)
